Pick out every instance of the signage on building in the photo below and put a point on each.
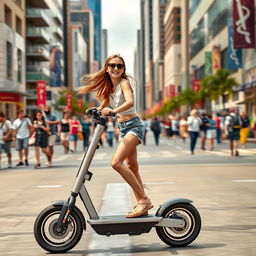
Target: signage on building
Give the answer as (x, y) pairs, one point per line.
(9, 97)
(170, 92)
(234, 55)
(216, 64)
(41, 94)
(243, 23)
(55, 66)
(207, 63)
(195, 88)
(80, 103)
(69, 101)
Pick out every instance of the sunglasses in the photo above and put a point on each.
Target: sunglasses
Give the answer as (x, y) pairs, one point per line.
(113, 65)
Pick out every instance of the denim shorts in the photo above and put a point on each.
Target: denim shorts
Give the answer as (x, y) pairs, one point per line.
(6, 147)
(133, 126)
(73, 137)
(21, 144)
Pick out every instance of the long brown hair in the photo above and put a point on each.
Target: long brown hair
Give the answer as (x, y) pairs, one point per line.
(100, 81)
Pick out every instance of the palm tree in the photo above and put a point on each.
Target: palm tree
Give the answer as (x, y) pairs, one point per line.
(221, 85)
(188, 97)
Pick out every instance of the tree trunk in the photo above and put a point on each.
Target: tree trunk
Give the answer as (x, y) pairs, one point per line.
(223, 101)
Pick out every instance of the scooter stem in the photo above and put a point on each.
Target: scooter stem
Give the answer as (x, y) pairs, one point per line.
(87, 159)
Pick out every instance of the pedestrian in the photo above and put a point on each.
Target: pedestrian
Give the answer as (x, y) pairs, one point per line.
(211, 132)
(156, 129)
(114, 89)
(75, 127)
(53, 122)
(217, 120)
(233, 125)
(203, 129)
(42, 131)
(183, 128)
(194, 123)
(6, 138)
(110, 131)
(167, 128)
(146, 125)
(86, 131)
(244, 129)
(22, 129)
(175, 127)
(63, 131)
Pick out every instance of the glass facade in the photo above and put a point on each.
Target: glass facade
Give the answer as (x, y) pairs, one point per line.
(95, 6)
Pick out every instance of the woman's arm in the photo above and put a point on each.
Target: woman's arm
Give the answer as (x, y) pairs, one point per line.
(103, 104)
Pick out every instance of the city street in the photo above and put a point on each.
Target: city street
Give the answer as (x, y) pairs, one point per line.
(222, 189)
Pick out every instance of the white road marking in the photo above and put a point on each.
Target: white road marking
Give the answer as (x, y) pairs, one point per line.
(143, 154)
(100, 156)
(178, 147)
(49, 186)
(61, 158)
(244, 181)
(116, 200)
(167, 154)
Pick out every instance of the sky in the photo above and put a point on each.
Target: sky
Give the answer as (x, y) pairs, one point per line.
(122, 19)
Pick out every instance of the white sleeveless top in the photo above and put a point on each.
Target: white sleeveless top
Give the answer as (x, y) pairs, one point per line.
(117, 99)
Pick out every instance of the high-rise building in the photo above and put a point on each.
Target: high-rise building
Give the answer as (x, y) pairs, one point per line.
(44, 40)
(95, 6)
(104, 46)
(12, 57)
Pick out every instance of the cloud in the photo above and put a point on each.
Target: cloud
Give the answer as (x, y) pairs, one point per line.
(122, 20)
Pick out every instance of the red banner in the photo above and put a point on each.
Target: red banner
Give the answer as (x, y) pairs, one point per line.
(195, 88)
(170, 91)
(243, 24)
(69, 101)
(41, 94)
(9, 97)
(80, 103)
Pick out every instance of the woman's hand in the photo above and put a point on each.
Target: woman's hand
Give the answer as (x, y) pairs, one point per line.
(106, 111)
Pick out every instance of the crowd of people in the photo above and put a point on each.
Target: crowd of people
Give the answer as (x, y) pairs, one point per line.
(43, 130)
(213, 129)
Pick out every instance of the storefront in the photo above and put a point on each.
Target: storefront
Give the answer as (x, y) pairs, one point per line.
(10, 103)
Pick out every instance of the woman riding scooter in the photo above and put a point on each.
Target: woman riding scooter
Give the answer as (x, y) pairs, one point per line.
(113, 88)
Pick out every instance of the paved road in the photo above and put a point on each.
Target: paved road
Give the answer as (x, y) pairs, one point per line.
(222, 188)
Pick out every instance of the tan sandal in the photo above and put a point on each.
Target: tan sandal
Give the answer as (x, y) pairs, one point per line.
(142, 212)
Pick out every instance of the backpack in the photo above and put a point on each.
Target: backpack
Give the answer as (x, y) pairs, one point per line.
(235, 123)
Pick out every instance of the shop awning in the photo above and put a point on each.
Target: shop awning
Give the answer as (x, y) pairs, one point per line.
(245, 86)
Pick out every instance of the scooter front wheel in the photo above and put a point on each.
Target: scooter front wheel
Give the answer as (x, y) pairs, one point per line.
(52, 239)
(180, 236)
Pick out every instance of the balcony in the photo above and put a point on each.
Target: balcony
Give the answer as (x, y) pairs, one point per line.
(58, 18)
(38, 35)
(44, 4)
(58, 32)
(37, 73)
(37, 17)
(32, 93)
(38, 53)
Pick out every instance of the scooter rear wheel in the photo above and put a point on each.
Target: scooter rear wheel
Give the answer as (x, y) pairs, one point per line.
(178, 237)
(53, 240)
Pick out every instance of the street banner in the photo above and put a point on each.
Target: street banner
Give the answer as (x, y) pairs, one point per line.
(195, 88)
(69, 101)
(234, 55)
(216, 64)
(170, 92)
(80, 104)
(207, 63)
(55, 66)
(41, 94)
(243, 23)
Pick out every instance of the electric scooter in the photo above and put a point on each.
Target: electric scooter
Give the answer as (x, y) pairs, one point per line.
(59, 227)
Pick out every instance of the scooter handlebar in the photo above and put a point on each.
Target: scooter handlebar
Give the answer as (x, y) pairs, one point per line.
(96, 113)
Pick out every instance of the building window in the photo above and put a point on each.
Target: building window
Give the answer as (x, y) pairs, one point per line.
(18, 2)
(9, 60)
(19, 73)
(235, 96)
(8, 16)
(18, 25)
(76, 42)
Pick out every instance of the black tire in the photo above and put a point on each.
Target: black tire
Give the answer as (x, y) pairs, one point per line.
(178, 237)
(47, 236)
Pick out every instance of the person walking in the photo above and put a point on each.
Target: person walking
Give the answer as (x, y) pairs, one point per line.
(42, 132)
(183, 128)
(156, 129)
(110, 131)
(113, 88)
(233, 125)
(211, 132)
(244, 129)
(75, 127)
(203, 129)
(22, 128)
(217, 120)
(6, 137)
(63, 131)
(53, 122)
(86, 131)
(146, 125)
(194, 123)
(175, 127)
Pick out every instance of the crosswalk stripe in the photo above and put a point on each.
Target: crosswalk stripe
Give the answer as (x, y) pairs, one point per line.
(167, 154)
